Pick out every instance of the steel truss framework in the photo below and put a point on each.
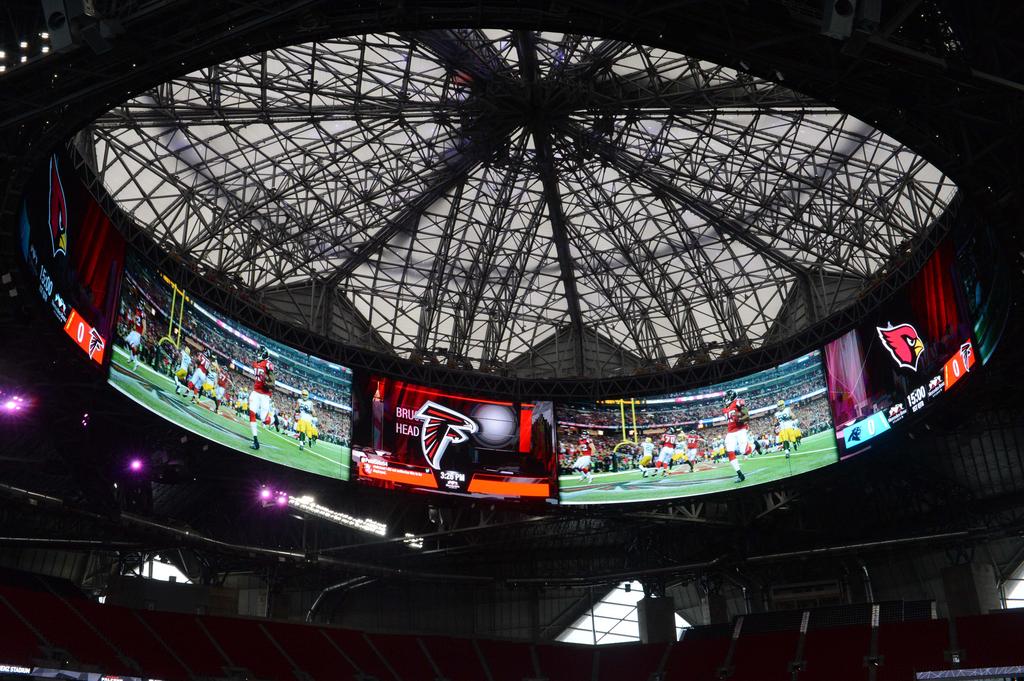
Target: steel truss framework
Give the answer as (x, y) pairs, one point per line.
(469, 193)
(899, 80)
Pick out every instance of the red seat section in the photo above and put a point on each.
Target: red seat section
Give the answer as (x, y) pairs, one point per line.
(456, 658)
(508, 661)
(362, 655)
(567, 662)
(405, 656)
(124, 630)
(179, 647)
(188, 641)
(18, 645)
(991, 640)
(248, 647)
(629, 661)
(311, 651)
(909, 647)
(837, 654)
(764, 656)
(696, 659)
(63, 628)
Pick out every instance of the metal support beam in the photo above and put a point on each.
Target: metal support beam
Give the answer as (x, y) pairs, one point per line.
(636, 168)
(527, 52)
(477, 149)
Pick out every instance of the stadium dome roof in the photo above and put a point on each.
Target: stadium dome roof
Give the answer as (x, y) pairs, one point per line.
(479, 195)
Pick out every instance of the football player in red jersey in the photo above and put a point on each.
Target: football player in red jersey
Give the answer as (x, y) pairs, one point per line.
(259, 398)
(198, 380)
(223, 383)
(138, 330)
(693, 441)
(665, 452)
(584, 461)
(736, 420)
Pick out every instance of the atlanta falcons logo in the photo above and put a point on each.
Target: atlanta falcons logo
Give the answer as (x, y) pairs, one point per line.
(903, 343)
(96, 343)
(441, 427)
(58, 211)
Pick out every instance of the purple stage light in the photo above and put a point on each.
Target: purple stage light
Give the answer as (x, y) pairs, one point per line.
(264, 494)
(13, 403)
(135, 465)
(282, 500)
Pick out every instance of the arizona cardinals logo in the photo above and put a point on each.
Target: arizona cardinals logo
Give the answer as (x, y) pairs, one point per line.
(441, 427)
(58, 211)
(903, 343)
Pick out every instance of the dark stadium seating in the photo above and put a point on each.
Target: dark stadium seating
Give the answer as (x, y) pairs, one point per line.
(404, 655)
(456, 658)
(764, 655)
(354, 645)
(909, 647)
(65, 629)
(311, 651)
(37, 624)
(508, 661)
(991, 640)
(247, 647)
(565, 663)
(696, 658)
(837, 654)
(626, 661)
(190, 643)
(19, 644)
(126, 632)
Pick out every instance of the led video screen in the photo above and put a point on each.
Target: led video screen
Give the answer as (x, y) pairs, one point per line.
(74, 252)
(985, 279)
(901, 358)
(227, 383)
(756, 429)
(423, 438)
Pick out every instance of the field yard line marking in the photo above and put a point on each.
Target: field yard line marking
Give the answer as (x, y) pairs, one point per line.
(653, 493)
(307, 450)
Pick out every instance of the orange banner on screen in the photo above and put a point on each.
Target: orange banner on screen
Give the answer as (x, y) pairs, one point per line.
(378, 469)
(499, 485)
(958, 365)
(85, 336)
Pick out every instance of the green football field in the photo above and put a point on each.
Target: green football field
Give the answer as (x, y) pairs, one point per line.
(611, 488)
(155, 391)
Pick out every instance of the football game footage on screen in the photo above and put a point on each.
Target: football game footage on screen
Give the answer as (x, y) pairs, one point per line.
(227, 383)
(762, 427)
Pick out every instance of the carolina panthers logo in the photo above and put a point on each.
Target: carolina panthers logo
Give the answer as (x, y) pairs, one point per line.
(903, 343)
(441, 427)
(58, 211)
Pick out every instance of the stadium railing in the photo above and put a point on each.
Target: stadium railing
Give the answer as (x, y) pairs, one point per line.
(888, 641)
